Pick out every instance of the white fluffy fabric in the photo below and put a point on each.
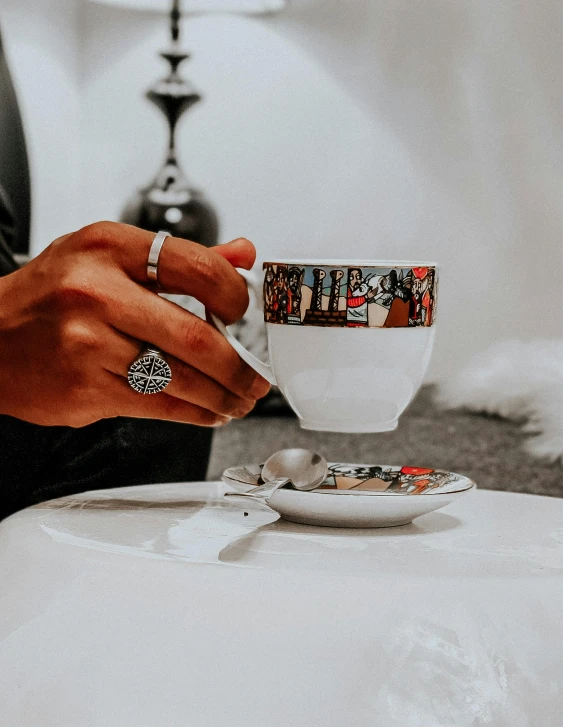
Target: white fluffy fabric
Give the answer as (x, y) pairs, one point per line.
(516, 380)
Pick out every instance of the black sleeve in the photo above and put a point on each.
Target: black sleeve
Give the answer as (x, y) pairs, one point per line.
(7, 262)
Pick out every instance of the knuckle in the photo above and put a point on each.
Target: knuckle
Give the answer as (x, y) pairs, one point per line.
(184, 375)
(79, 338)
(229, 404)
(98, 236)
(184, 378)
(195, 335)
(56, 245)
(206, 267)
(76, 290)
(246, 376)
(237, 382)
(228, 365)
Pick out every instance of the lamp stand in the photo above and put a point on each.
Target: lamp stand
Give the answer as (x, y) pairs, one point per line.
(170, 202)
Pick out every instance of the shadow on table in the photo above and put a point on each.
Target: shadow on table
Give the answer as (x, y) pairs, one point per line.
(282, 542)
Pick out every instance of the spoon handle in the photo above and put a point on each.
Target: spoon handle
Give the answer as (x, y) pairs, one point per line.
(264, 492)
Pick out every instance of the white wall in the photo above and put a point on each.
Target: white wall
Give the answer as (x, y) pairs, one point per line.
(41, 44)
(362, 128)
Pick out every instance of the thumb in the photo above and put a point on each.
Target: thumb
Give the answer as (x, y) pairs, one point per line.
(241, 253)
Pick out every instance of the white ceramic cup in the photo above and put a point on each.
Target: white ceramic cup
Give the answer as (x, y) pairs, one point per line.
(349, 341)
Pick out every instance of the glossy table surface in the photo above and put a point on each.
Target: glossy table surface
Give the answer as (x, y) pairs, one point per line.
(170, 605)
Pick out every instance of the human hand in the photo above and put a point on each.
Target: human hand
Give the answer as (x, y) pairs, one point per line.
(74, 319)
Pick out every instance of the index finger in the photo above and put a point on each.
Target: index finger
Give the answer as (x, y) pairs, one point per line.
(191, 269)
(185, 268)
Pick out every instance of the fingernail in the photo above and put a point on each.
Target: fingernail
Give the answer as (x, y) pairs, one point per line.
(244, 410)
(259, 388)
(222, 421)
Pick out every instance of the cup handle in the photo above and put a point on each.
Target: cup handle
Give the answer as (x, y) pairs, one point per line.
(264, 369)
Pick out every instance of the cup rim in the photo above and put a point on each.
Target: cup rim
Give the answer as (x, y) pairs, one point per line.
(350, 262)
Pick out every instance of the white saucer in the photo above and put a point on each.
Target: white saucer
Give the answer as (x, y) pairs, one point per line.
(366, 496)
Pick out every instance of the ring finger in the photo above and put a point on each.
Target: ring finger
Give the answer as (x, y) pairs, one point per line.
(184, 335)
(188, 383)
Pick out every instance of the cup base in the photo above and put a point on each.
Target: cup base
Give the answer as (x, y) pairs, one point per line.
(348, 428)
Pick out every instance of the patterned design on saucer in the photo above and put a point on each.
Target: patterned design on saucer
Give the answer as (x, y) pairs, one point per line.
(391, 480)
(349, 297)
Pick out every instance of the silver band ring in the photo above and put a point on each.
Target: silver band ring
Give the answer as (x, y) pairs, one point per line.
(154, 253)
(149, 373)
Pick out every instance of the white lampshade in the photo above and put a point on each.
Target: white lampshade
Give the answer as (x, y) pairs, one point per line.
(240, 7)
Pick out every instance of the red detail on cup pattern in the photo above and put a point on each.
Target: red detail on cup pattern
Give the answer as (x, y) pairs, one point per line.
(357, 301)
(420, 273)
(415, 471)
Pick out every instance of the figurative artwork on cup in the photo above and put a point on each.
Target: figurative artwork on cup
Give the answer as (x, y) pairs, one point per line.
(349, 297)
(402, 480)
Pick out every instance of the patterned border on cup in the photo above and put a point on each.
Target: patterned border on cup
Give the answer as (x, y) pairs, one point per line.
(349, 296)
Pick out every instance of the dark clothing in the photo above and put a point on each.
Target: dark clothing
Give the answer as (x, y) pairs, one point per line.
(7, 262)
(39, 463)
(14, 167)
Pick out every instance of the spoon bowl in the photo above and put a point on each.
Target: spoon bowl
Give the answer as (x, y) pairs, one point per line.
(306, 469)
(302, 468)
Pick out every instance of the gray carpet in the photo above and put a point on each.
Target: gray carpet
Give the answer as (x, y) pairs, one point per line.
(487, 449)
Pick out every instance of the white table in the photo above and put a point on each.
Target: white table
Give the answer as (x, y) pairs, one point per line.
(166, 606)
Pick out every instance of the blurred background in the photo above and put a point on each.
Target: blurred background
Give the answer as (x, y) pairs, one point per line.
(364, 128)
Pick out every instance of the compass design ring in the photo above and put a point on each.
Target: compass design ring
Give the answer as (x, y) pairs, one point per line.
(149, 374)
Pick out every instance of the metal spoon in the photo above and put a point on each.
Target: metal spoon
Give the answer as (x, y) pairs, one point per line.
(242, 475)
(303, 468)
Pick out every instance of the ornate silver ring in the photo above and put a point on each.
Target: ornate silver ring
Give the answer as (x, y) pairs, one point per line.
(154, 253)
(149, 374)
